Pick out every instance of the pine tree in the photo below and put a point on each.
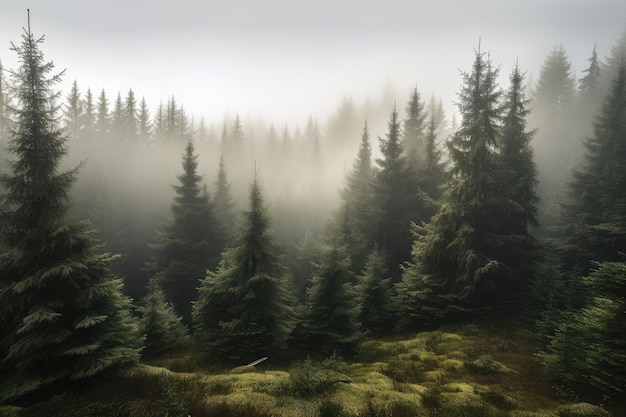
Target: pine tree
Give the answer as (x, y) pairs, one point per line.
(398, 200)
(413, 132)
(189, 243)
(224, 203)
(242, 311)
(355, 216)
(557, 141)
(588, 351)
(73, 112)
(589, 92)
(89, 116)
(432, 176)
(464, 258)
(130, 117)
(143, 123)
(376, 303)
(64, 315)
(516, 156)
(163, 328)
(118, 120)
(103, 123)
(594, 215)
(330, 319)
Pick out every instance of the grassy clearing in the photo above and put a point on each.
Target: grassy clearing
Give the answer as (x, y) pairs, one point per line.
(464, 371)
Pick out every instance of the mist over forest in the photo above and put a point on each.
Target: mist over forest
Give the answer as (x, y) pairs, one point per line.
(153, 241)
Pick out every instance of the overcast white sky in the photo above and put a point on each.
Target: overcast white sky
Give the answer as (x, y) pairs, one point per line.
(285, 59)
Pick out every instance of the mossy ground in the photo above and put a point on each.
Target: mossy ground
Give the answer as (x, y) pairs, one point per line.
(466, 370)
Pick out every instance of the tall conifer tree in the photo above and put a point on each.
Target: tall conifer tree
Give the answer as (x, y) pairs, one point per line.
(63, 314)
(190, 242)
(462, 260)
(594, 214)
(242, 311)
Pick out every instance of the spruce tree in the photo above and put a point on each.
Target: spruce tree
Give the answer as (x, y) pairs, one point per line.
(557, 142)
(73, 112)
(103, 122)
(376, 303)
(64, 315)
(594, 214)
(516, 156)
(162, 326)
(413, 132)
(464, 259)
(224, 203)
(330, 318)
(189, 243)
(587, 352)
(355, 216)
(398, 199)
(242, 311)
(432, 176)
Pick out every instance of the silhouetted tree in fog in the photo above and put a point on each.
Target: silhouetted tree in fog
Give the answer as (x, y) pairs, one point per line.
(189, 242)
(224, 203)
(73, 112)
(63, 315)
(352, 223)
(594, 215)
(557, 142)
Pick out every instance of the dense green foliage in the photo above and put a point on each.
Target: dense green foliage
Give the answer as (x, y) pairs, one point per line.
(63, 313)
(191, 241)
(162, 328)
(474, 253)
(242, 311)
(432, 225)
(329, 317)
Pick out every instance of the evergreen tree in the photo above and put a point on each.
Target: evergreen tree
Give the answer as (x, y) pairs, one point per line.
(354, 219)
(588, 351)
(73, 112)
(377, 310)
(103, 123)
(224, 203)
(330, 318)
(242, 311)
(516, 156)
(432, 176)
(413, 133)
(143, 123)
(589, 93)
(108, 218)
(118, 120)
(64, 317)
(594, 216)
(398, 200)
(189, 243)
(5, 119)
(130, 117)
(163, 328)
(159, 124)
(89, 121)
(556, 143)
(465, 257)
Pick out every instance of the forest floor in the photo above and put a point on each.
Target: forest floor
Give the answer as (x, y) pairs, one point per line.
(469, 370)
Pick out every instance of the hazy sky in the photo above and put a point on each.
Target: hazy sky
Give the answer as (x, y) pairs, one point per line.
(285, 59)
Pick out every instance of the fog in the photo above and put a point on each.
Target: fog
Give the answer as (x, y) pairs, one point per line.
(299, 81)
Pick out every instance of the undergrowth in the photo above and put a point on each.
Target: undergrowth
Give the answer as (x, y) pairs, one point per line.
(468, 371)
